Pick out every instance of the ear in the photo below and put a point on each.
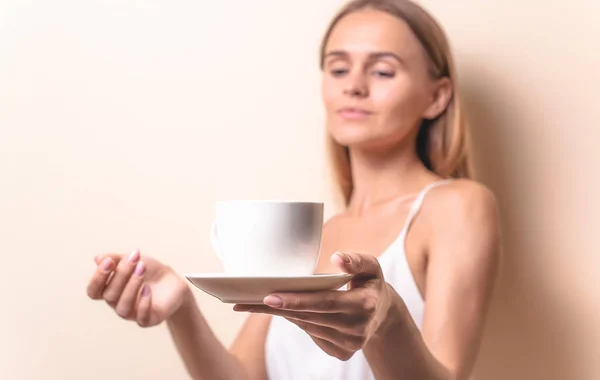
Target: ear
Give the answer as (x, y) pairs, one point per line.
(440, 97)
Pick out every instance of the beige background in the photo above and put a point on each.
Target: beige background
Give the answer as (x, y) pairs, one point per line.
(121, 122)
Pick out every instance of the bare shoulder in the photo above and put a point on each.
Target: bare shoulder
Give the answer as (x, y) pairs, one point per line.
(462, 212)
(461, 199)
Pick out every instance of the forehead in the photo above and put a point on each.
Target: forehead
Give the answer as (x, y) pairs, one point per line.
(372, 30)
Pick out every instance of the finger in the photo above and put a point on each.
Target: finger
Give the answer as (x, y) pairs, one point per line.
(357, 263)
(126, 305)
(333, 350)
(327, 301)
(366, 268)
(346, 341)
(98, 281)
(125, 268)
(116, 257)
(347, 323)
(144, 307)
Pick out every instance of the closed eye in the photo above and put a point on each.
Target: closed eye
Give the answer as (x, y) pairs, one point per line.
(384, 74)
(339, 72)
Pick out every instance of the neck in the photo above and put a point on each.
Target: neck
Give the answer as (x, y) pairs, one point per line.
(381, 175)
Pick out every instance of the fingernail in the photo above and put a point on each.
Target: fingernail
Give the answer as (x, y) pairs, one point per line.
(273, 301)
(140, 268)
(245, 308)
(345, 258)
(106, 265)
(145, 291)
(135, 255)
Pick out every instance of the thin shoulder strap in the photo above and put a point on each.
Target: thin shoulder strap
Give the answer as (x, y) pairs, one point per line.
(416, 206)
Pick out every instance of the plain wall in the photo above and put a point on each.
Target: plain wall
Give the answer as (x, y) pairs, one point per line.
(122, 122)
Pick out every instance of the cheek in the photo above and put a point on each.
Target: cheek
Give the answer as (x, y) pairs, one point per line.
(400, 102)
(329, 93)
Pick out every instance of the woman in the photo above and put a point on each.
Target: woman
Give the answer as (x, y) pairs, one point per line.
(421, 238)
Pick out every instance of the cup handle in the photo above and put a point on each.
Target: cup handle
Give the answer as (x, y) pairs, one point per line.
(214, 239)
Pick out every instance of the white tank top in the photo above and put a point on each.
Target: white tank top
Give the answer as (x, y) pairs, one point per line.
(292, 355)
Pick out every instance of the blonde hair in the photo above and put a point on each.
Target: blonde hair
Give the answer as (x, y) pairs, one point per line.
(442, 143)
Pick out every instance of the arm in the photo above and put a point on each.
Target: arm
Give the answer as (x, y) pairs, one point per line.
(163, 295)
(464, 256)
(205, 357)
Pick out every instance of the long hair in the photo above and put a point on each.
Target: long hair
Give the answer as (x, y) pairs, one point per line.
(442, 143)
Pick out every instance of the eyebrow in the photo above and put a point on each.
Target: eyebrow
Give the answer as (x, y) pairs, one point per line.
(373, 55)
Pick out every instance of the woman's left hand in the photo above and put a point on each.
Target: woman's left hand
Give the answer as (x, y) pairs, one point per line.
(340, 322)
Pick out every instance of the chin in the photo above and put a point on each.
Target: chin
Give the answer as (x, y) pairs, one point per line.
(351, 134)
(359, 142)
(363, 137)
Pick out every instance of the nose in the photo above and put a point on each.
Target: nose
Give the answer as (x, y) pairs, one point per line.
(356, 86)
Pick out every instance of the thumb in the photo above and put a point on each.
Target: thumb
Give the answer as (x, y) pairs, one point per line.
(358, 264)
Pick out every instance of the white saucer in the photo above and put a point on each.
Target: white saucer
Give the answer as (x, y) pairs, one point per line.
(253, 289)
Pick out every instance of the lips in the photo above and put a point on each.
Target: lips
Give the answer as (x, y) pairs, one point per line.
(352, 113)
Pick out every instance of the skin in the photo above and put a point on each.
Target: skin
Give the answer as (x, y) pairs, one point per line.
(375, 64)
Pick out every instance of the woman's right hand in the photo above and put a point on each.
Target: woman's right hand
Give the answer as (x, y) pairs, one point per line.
(138, 289)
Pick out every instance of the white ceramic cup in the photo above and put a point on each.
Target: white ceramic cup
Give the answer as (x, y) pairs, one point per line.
(268, 238)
